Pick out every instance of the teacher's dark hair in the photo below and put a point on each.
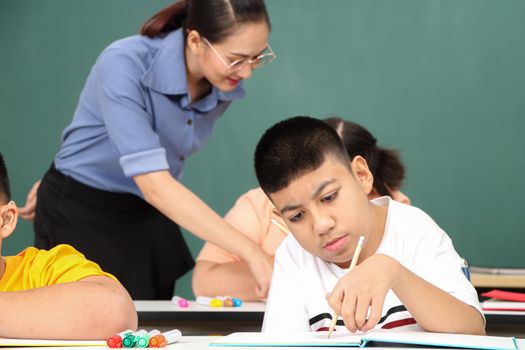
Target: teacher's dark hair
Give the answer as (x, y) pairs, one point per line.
(213, 19)
(384, 164)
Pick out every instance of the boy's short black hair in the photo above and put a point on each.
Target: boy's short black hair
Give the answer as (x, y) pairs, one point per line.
(5, 190)
(293, 147)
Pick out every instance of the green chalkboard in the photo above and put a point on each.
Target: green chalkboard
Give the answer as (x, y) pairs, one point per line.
(441, 81)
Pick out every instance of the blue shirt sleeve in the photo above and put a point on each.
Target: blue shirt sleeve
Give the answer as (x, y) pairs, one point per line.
(130, 127)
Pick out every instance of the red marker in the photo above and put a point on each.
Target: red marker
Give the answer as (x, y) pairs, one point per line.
(115, 341)
(165, 338)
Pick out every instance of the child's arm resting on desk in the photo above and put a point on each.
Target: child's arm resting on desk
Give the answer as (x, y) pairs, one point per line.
(434, 309)
(231, 278)
(218, 272)
(190, 212)
(94, 307)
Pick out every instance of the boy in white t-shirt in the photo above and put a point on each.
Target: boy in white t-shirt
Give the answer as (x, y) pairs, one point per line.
(408, 275)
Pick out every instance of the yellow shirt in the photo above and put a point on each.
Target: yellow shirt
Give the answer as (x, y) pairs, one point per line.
(251, 215)
(35, 268)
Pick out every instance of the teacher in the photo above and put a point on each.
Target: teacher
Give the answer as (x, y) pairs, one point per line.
(150, 101)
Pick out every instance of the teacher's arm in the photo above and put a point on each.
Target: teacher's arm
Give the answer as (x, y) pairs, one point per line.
(182, 206)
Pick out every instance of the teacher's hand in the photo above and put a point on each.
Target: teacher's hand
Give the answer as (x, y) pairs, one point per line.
(28, 211)
(261, 266)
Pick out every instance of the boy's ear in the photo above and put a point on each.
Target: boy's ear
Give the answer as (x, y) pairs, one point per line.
(363, 174)
(8, 219)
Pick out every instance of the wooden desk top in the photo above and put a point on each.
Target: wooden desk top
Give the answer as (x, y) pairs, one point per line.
(497, 281)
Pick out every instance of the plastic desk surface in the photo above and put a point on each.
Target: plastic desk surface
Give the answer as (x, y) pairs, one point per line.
(168, 306)
(165, 310)
(201, 343)
(204, 320)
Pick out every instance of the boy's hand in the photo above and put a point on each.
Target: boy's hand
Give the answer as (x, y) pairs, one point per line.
(365, 288)
(28, 211)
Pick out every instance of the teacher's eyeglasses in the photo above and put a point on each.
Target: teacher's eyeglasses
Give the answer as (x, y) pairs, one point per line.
(258, 61)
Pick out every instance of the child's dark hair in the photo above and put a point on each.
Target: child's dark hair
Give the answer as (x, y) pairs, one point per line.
(292, 148)
(384, 164)
(213, 19)
(5, 190)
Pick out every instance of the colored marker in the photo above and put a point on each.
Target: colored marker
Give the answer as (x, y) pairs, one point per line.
(143, 340)
(207, 301)
(226, 300)
(129, 340)
(465, 268)
(165, 338)
(115, 341)
(181, 302)
(230, 301)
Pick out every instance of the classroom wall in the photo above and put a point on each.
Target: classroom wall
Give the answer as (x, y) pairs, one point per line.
(441, 81)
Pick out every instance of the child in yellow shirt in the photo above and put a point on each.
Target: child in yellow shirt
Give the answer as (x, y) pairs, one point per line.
(56, 294)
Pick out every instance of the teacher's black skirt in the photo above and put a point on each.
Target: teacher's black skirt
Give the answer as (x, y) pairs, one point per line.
(124, 234)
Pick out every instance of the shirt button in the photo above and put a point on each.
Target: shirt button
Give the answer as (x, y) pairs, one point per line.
(182, 158)
(189, 122)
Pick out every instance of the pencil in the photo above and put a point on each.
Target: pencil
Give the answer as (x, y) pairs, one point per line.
(276, 223)
(352, 265)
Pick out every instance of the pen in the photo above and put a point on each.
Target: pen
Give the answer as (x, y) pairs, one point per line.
(278, 224)
(352, 265)
(465, 268)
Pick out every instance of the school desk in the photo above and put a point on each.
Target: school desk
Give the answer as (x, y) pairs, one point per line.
(201, 343)
(204, 320)
(198, 319)
(480, 280)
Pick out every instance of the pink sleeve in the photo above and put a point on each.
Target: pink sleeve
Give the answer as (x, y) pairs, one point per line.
(250, 215)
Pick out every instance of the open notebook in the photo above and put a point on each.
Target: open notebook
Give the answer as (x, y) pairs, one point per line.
(11, 342)
(339, 339)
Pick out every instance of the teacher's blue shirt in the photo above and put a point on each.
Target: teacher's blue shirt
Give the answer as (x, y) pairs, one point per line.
(135, 116)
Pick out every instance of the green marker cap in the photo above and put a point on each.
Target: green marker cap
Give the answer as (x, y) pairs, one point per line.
(129, 341)
(143, 341)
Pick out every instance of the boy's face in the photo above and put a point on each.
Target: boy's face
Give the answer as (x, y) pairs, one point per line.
(327, 210)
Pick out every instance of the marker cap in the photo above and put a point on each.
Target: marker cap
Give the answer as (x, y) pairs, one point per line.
(115, 341)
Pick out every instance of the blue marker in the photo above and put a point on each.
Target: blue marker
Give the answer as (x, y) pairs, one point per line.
(230, 301)
(465, 268)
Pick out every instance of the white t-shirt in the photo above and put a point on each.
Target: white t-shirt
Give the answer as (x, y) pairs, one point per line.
(300, 282)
